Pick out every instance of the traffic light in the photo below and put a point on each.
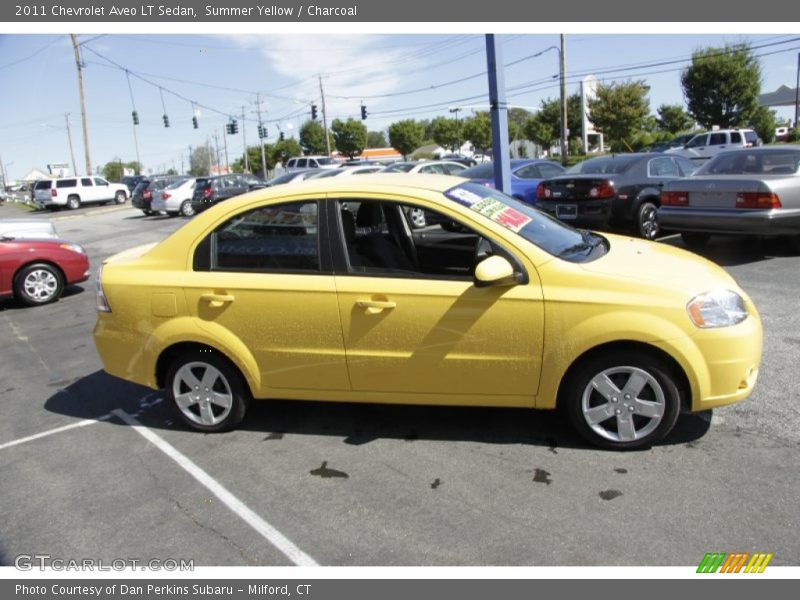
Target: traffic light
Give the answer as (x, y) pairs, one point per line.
(363, 112)
(166, 120)
(194, 122)
(314, 112)
(135, 116)
(282, 137)
(262, 132)
(232, 127)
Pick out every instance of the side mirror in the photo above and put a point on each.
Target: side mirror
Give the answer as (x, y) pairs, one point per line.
(494, 270)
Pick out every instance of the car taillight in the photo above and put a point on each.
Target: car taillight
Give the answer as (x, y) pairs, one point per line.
(757, 200)
(674, 199)
(605, 189)
(147, 195)
(542, 191)
(101, 302)
(165, 195)
(53, 192)
(207, 193)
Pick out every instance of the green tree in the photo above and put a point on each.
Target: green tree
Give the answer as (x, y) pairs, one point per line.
(764, 123)
(406, 136)
(114, 170)
(312, 138)
(620, 110)
(544, 127)
(350, 136)
(283, 150)
(376, 139)
(516, 122)
(673, 119)
(447, 133)
(539, 131)
(254, 160)
(478, 130)
(721, 86)
(200, 162)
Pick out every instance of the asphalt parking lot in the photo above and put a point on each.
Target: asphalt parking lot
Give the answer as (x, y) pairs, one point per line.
(94, 467)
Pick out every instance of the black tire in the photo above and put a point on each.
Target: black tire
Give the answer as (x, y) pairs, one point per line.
(73, 202)
(187, 210)
(120, 197)
(147, 212)
(616, 419)
(647, 220)
(225, 382)
(794, 244)
(695, 240)
(38, 283)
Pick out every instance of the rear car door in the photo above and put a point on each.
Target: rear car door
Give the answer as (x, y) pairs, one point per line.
(263, 279)
(102, 189)
(87, 191)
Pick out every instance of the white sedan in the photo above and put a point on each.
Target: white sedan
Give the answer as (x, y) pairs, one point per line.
(176, 198)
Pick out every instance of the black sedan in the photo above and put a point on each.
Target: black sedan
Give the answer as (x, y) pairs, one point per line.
(753, 191)
(609, 192)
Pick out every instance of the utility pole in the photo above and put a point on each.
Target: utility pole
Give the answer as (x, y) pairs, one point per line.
(225, 145)
(456, 110)
(244, 141)
(324, 118)
(208, 152)
(797, 93)
(499, 112)
(216, 151)
(260, 140)
(83, 103)
(2, 173)
(69, 139)
(191, 166)
(563, 81)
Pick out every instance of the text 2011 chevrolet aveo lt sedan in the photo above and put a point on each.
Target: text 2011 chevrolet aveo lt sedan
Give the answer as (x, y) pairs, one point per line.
(324, 292)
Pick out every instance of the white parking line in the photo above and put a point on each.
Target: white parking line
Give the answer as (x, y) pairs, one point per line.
(272, 535)
(30, 438)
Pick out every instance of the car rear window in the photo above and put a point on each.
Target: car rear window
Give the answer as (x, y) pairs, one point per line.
(66, 183)
(604, 165)
(399, 168)
(774, 162)
(141, 186)
(43, 185)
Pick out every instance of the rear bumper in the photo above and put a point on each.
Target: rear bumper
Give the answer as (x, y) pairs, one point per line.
(776, 221)
(589, 213)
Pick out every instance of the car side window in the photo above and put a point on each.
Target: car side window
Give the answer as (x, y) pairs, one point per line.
(453, 169)
(381, 239)
(66, 183)
(699, 140)
(98, 181)
(550, 170)
(717, 139)
(736, 137)
(528, 172)
(686, 165)
(275, 238)
(86, 181)
(301, 163)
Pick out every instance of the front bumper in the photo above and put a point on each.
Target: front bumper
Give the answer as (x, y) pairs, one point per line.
(776, 221)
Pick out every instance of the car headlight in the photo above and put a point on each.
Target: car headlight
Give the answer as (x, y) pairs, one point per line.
(717, 308)
(74, 248)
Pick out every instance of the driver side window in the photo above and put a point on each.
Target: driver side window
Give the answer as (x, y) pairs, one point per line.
(402, 240)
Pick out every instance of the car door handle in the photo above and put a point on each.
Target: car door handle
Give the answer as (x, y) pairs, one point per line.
(217, 300)
(375, 306)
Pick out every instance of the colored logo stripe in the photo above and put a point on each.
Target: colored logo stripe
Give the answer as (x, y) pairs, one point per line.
(734, 562)
(758, 563)
(711, 562)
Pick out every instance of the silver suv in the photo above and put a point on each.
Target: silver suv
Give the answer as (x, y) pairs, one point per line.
(311, 162)
(72, 192)
(710, 143)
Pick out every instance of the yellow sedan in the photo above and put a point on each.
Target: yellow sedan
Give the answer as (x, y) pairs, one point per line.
(324, 291)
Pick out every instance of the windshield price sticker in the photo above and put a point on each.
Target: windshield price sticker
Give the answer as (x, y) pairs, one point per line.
(500, 213)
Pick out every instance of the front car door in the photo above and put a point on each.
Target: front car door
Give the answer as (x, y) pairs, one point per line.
(262, 278)
(416, 328)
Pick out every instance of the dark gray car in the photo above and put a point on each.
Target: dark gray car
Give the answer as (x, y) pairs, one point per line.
(754, 191)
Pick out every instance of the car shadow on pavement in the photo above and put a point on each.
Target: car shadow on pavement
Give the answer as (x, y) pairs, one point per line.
(98, 394)
(14, 304)
(730, 251)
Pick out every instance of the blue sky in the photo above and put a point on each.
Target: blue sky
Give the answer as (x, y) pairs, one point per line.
(396, 76)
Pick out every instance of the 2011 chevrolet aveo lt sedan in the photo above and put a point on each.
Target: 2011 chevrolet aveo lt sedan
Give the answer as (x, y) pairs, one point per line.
(324, 291)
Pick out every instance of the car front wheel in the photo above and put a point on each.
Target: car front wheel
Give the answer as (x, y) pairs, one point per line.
(120, 197)
(207, 391)
(623, 400)
(187, 210)
(37, 284)
(73, 202)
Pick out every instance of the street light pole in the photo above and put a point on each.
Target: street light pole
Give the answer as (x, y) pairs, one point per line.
(456, 110)
(797, 92)
(69, 139)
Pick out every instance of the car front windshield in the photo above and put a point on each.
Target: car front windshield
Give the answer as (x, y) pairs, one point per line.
(772, 162)
(603, 165)
(326, 161)
(542, 230)
(399, 168)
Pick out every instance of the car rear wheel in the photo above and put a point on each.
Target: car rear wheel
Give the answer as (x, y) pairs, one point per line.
(623, 400)
(187, 210)
(38, 283)
(207, 391)
(120, 197)
(73, 202)
(417, 218)
(647, 221)
(694, 240)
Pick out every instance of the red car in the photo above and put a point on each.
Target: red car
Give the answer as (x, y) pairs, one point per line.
(37, 271)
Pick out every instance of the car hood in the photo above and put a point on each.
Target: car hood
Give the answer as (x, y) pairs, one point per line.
(659, 265)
